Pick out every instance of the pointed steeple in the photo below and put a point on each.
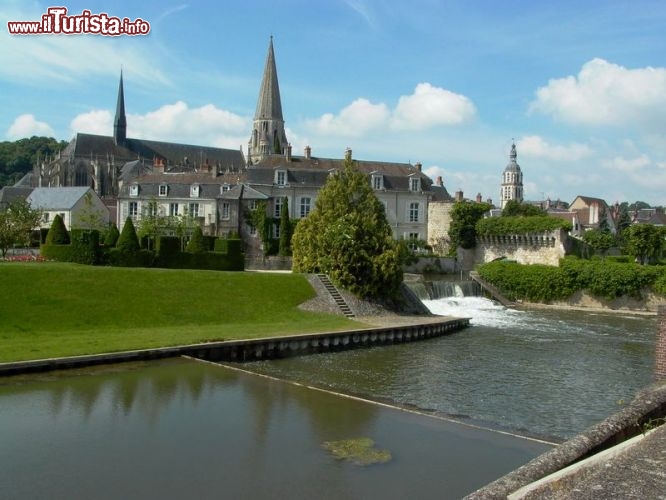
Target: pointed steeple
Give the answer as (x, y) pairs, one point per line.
(269, 106)
(120, 121)
(268, 136)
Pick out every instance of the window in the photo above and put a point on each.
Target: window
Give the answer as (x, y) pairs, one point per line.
(377, 181)
(134, 190)
(152, 209)
(412, 241)
(46, 217)
(414, 212)
(415, 184)
(281, 177)
(306, 203)
(253, 230)
(194, 191)
(225, 187)
(173, 209)
(162, 190)
(252, 205)
(276, 231)
(225, 210)
(133, 209)
(278, 207)
(194, 210)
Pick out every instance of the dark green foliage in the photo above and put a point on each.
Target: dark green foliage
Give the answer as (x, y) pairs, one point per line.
(139, 258)
(602, 278)
(111, 236)
(264, 224)
(167, 246)
(624, 219)
(514, 208)
(60, 253)
(497, 226)
(285, 230)
(599, 240)
(230, 246)
(196, 243)
(348, 237)
(645, 242)
(58, 234)
(464, 217)
(128, 241)
(85, 246)
(18, 157)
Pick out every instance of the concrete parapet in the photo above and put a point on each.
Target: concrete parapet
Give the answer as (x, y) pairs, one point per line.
(660, 345)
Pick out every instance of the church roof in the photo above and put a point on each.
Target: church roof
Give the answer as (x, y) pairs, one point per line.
(175, 154)
(269, 105)
(314, 171)
(56, 198)
(10, 194)
(512, 166)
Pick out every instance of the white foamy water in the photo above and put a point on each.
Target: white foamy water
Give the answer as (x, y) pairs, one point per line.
(482, 311)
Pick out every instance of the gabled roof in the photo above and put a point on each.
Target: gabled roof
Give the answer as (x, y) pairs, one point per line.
(247, 192)
(56, 198)
(589, 200)
(100, 146)
(313, 171)
(9, 194)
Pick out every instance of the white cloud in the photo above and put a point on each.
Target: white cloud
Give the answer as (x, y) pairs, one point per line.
(604, 93)
(535, 146)
(27, 125)
(205, 125)
(426, 107)
(430, 106)
(360, 117)
(628, 165)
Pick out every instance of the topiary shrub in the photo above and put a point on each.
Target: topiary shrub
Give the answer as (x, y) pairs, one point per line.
(111, 236)
(196, 243)
(58, 234)
(128, 242)
(85, 246)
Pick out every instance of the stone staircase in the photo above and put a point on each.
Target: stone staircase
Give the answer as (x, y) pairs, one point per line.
(333, 292)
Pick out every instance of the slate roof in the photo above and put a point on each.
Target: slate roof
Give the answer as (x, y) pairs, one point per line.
(313, 171)
(439, 193)
(269, 106)
(9, 194)
(248, 193)
(178, 184)
(56, 198)
(175, 154)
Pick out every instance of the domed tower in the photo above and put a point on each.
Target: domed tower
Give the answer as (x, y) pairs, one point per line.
(512, 180)
(268, 136)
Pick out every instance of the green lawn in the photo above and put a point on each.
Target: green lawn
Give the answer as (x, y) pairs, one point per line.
(55, 309)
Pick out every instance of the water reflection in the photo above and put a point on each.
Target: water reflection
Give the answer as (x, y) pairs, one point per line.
(181, 428)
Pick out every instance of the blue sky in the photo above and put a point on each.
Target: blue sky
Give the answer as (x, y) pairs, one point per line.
(580, 86)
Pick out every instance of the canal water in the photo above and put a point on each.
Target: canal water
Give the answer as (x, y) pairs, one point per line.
(182, 428)
(539, 372)
(188, 429)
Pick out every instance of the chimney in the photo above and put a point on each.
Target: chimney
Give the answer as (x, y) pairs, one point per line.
(348, 153)
(158, 165)
(440, 182)
(459, 195)
(479, 198)
(308, 152)
(418, 166)
(288, 153)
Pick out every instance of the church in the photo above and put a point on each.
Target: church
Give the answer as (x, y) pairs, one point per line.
(218, 187)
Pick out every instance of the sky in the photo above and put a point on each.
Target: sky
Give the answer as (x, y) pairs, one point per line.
(580, 86)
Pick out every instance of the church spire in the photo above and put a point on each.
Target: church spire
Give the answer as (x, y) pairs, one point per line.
(120, 121)
(268, 136)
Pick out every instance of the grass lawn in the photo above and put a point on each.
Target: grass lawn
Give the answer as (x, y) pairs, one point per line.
(56, 309)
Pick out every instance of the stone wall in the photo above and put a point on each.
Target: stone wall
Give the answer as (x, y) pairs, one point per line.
(535, 248)
(660, 347)
(435, 265)
(439, 222)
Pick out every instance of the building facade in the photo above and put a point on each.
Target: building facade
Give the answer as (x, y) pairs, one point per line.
(512, 180)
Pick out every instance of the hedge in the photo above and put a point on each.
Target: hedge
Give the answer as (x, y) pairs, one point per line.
(602, 278)
(497, 226)
(61, 253)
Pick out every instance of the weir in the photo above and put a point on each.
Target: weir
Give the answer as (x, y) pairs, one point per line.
(439, 289)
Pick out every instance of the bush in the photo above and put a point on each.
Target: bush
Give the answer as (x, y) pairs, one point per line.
(60, 253)
(120, 258)
(128, 241)
(111, 236)
(196, 243)
(85, 246)
(58, 233)
(497, 226)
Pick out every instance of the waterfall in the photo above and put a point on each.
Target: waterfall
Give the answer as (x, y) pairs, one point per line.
(442, 289)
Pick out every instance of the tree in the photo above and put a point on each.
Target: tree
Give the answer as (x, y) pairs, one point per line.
(16, 224)
(604, 227)
(152, 223)
(128, 241)
(599, 240)
(57, 234)
(285, 229)
(624, 219)
(348, 237)
(111, 236)
(645, 242)
(514, 208)
(464, 217)
(196, 243)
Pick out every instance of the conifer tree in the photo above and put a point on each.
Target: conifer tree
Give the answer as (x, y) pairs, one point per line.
(285, 229)
(128, 242)
(196, 243)
(57, 234)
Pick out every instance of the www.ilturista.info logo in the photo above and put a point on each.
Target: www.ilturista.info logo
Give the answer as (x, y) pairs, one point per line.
(57, 22)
